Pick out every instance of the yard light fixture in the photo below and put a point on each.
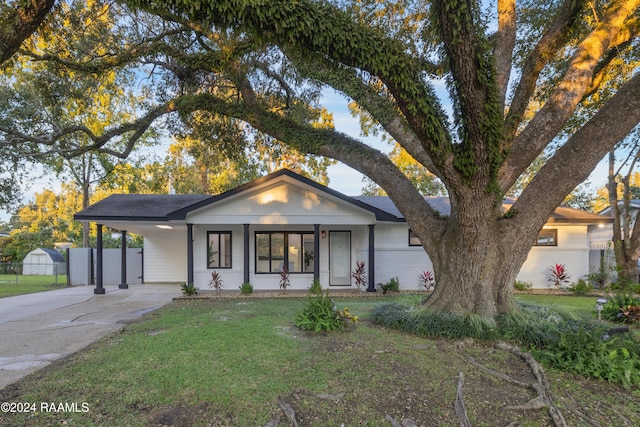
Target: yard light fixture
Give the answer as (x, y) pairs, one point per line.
(600, 302)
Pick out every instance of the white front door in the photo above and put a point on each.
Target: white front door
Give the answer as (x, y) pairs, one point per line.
(339, 258)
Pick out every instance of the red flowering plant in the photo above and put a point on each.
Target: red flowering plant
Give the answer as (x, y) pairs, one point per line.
(359, 274)
(558, 275)
(426, 281)
(216, 281)
(284, 278)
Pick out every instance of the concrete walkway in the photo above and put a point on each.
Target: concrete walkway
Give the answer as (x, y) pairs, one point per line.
(38, 328)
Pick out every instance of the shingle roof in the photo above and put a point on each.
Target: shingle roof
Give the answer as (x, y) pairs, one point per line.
(441, 204)
(54, 255)
(562, 214)
(141, 207)
(165, 207)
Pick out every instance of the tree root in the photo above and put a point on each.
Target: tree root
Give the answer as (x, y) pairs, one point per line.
(288, 411)
(540, 386)
(461, 412)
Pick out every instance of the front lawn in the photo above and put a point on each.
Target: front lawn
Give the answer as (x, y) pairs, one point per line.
(12, 284)
(226, 362)
(568, 304)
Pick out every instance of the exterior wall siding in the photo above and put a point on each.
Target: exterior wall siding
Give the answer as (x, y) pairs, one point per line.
(165, 257)
(572, 251)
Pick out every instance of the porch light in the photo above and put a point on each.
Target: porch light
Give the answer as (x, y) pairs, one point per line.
(164, 227)
(323, 234)
(601, 225)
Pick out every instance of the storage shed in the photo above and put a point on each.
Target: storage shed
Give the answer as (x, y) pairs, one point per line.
(43, 262)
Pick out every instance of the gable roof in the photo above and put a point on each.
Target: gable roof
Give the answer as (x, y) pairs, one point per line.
(168, 207)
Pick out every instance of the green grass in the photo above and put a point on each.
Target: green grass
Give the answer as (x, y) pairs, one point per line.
(226, 361)
(567, 304)
(12, 284)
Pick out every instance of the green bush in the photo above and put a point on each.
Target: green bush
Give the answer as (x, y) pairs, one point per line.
(424, 322)
(321, 314)
(316, 287)
(393, 285)
(581, 287)
(189, 289)
(519, 285)
(612, 310)
(246, 289)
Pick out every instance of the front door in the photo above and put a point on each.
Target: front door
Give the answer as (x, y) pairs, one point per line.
(339, 258)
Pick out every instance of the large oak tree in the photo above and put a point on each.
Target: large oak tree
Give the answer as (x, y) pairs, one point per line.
(505, 113)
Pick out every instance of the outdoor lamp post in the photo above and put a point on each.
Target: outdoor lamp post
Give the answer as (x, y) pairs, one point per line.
(600, 302)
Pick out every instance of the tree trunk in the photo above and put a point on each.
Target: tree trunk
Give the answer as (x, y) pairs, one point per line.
(478, 261)
(629, 269)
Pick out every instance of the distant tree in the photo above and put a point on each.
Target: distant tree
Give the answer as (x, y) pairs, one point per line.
(622, 187)
(426, 182)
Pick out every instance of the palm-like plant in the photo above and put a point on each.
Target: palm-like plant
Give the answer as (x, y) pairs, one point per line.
(558, 275)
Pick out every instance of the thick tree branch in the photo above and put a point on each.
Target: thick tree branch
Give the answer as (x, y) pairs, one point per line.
(379, 105)
(504, 43)
(20, 24)
(552, 40)
(60, 141)
(329, 31)
(570, 91)
(574, 161)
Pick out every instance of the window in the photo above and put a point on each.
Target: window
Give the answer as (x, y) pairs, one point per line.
(218, 249)
(547, 237)
(413, 239)
(275, 250)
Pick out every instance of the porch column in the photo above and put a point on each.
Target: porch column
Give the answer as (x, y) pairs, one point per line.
(372, 260)
(99, 287)
(246, 253)
(123, 261)
(316, 251)
(190, 253)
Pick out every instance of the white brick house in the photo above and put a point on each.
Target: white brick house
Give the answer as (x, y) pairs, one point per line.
(250, 233)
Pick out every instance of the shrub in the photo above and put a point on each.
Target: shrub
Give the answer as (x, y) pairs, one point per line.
(426, 281)
(424, 322)
(557, 275)
(284, 278)
(321, 314)
(216, 281)
(393, 285)
(359, 274)
(189, 289)
(246, 289)
(519, 285)
(581, 287)
(613, 309)
(316, 287)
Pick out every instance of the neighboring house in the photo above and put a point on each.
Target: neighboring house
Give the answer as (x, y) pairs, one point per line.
(43, 262)
(250, 233)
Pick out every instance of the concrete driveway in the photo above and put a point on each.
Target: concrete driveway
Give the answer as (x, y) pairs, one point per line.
(38, 328)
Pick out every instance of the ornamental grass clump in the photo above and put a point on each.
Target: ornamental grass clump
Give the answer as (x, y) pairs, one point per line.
(321, 314)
